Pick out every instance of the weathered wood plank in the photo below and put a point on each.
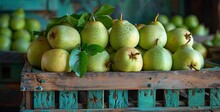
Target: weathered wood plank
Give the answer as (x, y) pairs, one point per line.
(68, 99)
(171, 98)
(128, 80)
(44, 100)
(28, 99)
(118, 98)
(95, 99)
(196, 97)
(215, 97)
(146, 98)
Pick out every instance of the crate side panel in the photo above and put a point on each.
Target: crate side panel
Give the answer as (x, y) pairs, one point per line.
(171, 98)
(44, 100)
(118, 98)
(146, 98)
(214, 97)
(15, 70)
(95, 99)
(196, 97)
(68, 99)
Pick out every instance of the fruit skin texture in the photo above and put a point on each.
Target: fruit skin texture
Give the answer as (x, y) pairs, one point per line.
(177, 20)
(63, 37)
(99, 62)
(127, 59)
(22, 34)
(6, 32)
(191, 21)
(123, 34)
(169, 26)
(186, 58)
(55, 60)
(95, 33)
(20, 45)
(149, 34)
(157, 58)
(176, 38)
(4, 20)
(163, 19)
(32, 25)
(36, 49)
(5, 43)
(201, 48)
(17, 23)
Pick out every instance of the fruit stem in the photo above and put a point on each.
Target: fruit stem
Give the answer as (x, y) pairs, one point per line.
(156, 43)
(188, 37)
(93, 19)
(121, 17)
(155, 19)
(193, 67)
(133, 55)
(108, 64)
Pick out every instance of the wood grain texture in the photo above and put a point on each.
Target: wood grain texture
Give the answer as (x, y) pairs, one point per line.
(95, 99)
(68, 99)
(128, 80)
(215, 97)
(118, 98)
(196, 97)
(171, 98)
(44, 100)
(146, 98)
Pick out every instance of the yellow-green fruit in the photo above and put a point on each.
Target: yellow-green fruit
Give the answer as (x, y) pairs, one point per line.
(186, 58)
(127, 59)
(22, 34)
(99, 62)
(20, 45)
(17, 23)
(139, 26)
(123, 34)
(63, 37)
(5, 43)
(6, 32)
(201, 48)
(141, 50)
(157, 58)
(178, 37)
(32, 25)
(95, 32)
(36, 49)
(150, 34)
(4, 20)
(18, 13)
(55, 60)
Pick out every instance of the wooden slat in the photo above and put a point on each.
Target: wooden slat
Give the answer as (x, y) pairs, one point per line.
(95, 99)
(29, 99)
(68, 100)
(171, 98)
(128, 80)
(196, 97)
(15, 70)
(44, 100)
(146, 98)
(215, 97)
(118, 98)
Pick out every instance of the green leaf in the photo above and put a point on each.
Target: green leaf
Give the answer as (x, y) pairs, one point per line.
(93, 49)
(104, 10)
(71, 20)
(106, 20)
(82, 20)
(78, 62)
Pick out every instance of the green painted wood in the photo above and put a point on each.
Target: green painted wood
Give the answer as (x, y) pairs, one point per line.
(146, 98)
(95, 99)
(68, 100)
(215, 97)
(15, 70)
(44, 100)
(171, 97)
(118, 98)
(196, 97)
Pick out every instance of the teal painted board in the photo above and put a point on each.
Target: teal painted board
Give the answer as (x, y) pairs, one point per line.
(196, 97)
(118, 98)
(146, 98)
(65, 7)
(68, 100)
(15, 70)
(44, 100)
(214, 97)
(171, 97)
(95, 99)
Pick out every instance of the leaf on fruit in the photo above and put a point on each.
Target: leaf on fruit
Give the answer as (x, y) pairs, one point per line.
(82, 20)
(104, 10)
(106, 20)
(78, 62)
(93, 49)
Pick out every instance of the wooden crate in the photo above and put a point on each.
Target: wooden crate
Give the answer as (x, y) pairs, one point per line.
(121, 91)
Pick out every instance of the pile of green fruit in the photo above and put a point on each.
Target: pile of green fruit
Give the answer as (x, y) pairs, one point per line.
(16, 31)
(96, 43)
(190, 22)
(215, 41)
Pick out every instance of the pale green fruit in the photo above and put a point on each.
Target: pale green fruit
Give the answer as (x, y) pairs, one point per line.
(5, 43)
(186, 58)
(112, 55)
(55, 60)
(139, 26)
(157, 58)
(6, 32)
(178, 37)
(94, 32)
(200, 30)
(109, 49)
(17, 23)
(63, 37)
(191, 21)
(4, 20)
(208, 43)
(34, 37)
(32, 25)
(169, 26)
(149, 34)
(141, 50)
(201, 48)
(163, 19)
(20, 45)
(18, 13)
(155, 22)
(99, 62)
(22, 34)
(123, 34)
(216, 39)
(177, 20)
(36, 49)
(127, 59)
